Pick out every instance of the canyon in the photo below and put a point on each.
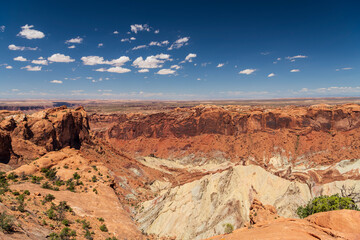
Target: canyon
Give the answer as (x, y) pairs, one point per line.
(186, 172)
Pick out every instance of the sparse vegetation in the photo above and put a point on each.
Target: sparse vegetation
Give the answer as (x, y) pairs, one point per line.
(103, 228)
(6, 222)
(326, 203)
(229, 228)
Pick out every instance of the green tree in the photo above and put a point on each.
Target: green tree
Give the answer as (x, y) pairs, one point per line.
(326, 203)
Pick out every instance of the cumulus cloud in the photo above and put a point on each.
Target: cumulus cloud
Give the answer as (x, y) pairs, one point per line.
(72, 46)
(165, 71)
(132, 38)
(58, 57)
(179, 43)
(2, 28)
(139, 47)
(96, 60)
(74, 40)
(40, 61)
(100, 45)
(57, 81)
(114, 70)
(157, 31)
(32, 68)
(135, 28)
(271, 75)
(21, 48)
(189, 57)
(29, 33)
(292, 59)
(154, 61)
(247, 71)
(145, 70)
(8, 67)
(220, 65)
(175, 66)
(160, 44)
(295, 70)
(115, 32)
(20, 59)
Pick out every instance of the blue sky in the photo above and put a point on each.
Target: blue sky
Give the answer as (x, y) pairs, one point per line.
(179, 50)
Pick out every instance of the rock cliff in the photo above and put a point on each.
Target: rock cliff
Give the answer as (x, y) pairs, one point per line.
(27, 137)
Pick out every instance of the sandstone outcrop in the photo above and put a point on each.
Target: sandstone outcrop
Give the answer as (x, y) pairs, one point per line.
(341, 224)
(27, 137)
(287, 141)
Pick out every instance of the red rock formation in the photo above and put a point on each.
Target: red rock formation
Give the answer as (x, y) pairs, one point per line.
(341, 224)
(30, 136)
(276, 139)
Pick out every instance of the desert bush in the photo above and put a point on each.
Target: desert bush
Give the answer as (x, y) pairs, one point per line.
(326, 203)
(6, 222)
(103, 228)
(76, 175)
(229, 228)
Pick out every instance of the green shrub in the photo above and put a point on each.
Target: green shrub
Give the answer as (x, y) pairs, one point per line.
(67, 233)
(6, 222)
(76, 175)
(49, 198)
(86, 224)
(27, 192)
(111, 238)
(65, 222)
(94, 179)
(46, 185)
(103, 228)
(49, 173)
(229, 228)
(12, 176)
(326, 203)
(88, 235)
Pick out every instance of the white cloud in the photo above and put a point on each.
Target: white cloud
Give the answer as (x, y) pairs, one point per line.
(72, 46)
(32, 68)
(20, 59)
(190, 56)
(95, 60)
(151, 61)
(132, 38)
(175, 66)
(179, 43)
(247, 71)
(139, 47)
(8, 67)
(139, 27)
(295, 70)
(145, 70)
(271, 75)
(57, 81)
(165, 72)
(114, 70)
(278, 59)
(296, 57)
(100, 45)
(345, 68)
(40, 61)
(160, 44)
(58, 57)
(156, 31)
(29, 33)
(115, 32)
(199, 79)
(125, 40)
(74, 40)
(220, 65)
(2, 28)
(20, 48)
